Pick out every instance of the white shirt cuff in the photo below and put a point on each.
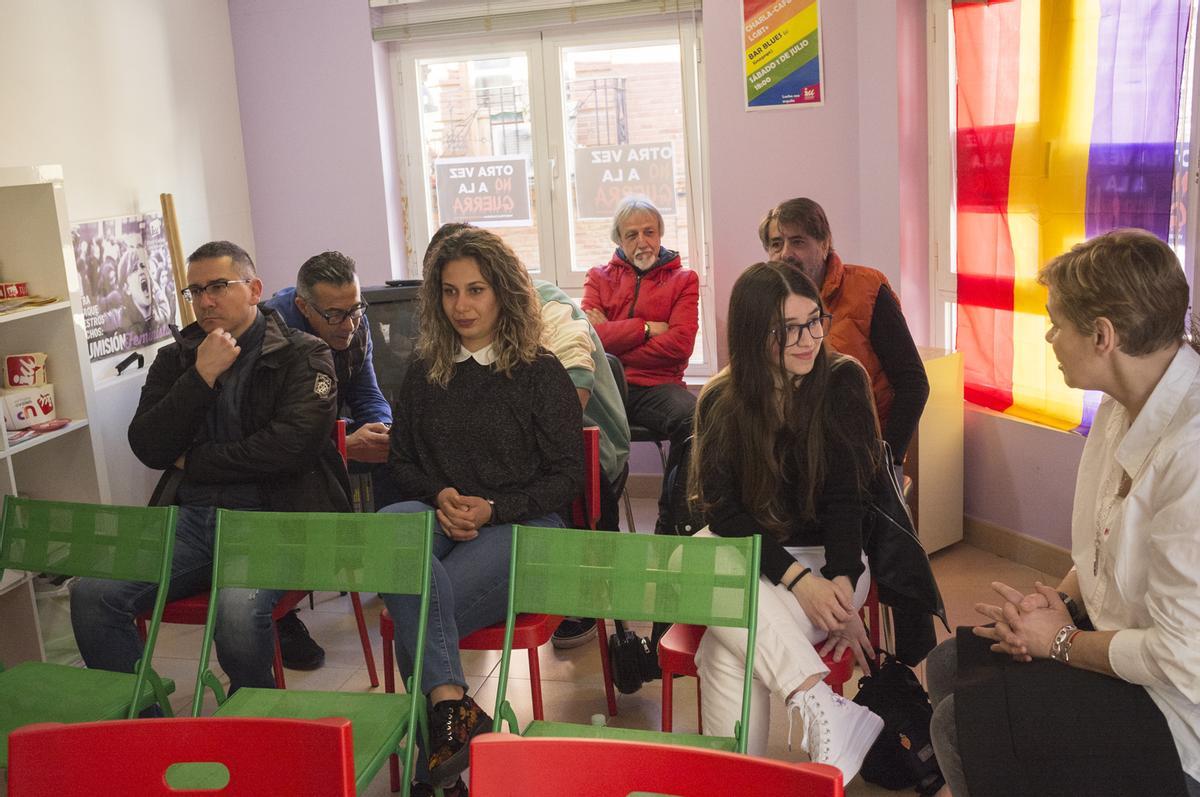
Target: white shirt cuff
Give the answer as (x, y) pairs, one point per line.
(1126, 656)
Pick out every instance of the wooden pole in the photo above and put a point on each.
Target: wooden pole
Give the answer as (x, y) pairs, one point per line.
(171, 225)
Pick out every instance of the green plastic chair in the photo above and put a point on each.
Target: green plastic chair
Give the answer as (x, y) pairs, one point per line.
(334, 552)
(123, 543)
(698, 580)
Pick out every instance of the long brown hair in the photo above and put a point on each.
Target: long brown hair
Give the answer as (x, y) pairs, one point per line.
(519, 325)
(755, 417)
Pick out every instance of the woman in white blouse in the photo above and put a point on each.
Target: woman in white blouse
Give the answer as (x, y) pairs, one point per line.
(1093, 687)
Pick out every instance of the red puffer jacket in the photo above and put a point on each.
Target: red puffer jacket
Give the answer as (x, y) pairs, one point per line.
(665, 292)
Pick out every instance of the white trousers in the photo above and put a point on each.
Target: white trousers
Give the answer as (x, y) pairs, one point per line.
(785, 656)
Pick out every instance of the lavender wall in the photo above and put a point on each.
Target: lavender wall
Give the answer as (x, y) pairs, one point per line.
(132, 99)
(311, 89)
(312, 93)
(1019, 475)
(758, 158)
(306, 89)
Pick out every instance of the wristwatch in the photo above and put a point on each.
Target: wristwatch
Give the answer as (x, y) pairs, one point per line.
(492, 504)
(647, 326)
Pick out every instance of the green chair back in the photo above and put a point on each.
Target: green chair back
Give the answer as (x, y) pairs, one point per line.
(124, 543)
(334, 552)
(711, 581)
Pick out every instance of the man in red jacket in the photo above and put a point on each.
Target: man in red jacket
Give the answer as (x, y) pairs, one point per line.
(644, 308)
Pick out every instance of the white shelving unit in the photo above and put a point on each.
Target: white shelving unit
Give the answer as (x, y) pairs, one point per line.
(68, 464)
(935, 456)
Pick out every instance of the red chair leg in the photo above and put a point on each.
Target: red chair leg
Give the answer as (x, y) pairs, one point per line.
(535, 683)
(668, 707)
(606, 667)
(277, 665)
(365, 639)
(389, 686)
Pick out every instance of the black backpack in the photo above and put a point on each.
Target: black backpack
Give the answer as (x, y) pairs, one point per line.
(902, 757)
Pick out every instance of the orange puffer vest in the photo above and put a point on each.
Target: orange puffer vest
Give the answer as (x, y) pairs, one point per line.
(849, 295)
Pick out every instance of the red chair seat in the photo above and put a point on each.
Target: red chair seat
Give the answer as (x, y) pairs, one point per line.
(677, 656)
(193, 610)
(259, 755)
(531, 631)
(503, 763)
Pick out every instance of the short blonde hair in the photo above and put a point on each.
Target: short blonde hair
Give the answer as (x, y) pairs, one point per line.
(1129, 277)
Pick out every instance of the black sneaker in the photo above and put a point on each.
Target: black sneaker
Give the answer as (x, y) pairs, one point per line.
(573, 632)
(452, 725)
(299, 650)
(422, 789)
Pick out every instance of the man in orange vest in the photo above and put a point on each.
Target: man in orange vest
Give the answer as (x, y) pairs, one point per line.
(867, 322)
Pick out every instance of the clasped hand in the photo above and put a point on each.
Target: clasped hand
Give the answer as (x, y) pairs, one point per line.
(829, 604)
(1025, 625)
(461, 516)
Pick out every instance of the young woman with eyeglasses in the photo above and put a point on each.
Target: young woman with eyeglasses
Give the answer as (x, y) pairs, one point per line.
(787, 446)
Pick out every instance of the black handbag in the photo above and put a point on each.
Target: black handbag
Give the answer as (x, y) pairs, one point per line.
(902, 756)
(901, 568)
(633, 659)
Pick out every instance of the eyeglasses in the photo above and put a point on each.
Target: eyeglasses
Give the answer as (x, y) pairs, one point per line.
(215, 289)
(817, 329)
(335, 317)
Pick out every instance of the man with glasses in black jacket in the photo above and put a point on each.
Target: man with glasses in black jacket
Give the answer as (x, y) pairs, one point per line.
(237, 413)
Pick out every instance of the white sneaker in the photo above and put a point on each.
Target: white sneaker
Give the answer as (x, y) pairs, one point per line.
(837, 731)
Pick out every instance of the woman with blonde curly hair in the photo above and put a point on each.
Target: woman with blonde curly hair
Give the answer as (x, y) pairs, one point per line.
(486, 433)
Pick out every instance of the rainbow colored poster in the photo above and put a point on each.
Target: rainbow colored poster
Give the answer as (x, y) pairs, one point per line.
(782, 39)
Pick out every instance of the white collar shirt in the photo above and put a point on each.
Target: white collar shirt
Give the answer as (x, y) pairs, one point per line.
(485, 356)
(1138, 555)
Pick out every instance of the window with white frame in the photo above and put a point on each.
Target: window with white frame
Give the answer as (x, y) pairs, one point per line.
(942, 100)
(538, 130)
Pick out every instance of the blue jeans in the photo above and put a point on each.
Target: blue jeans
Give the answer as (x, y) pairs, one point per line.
(468, 591)
(102, 611)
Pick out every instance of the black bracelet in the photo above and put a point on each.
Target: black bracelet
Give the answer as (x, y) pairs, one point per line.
(796, 580)
(1078, 615)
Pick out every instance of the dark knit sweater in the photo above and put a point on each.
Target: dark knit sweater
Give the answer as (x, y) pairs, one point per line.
(840, 508)
(514, 440)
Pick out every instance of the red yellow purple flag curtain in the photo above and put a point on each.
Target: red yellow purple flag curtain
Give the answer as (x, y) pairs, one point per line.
(1067, 117)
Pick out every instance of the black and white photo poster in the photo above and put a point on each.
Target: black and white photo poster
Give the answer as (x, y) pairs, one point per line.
(128, 288)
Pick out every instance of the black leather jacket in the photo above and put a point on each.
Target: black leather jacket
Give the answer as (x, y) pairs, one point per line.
(286, 446)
